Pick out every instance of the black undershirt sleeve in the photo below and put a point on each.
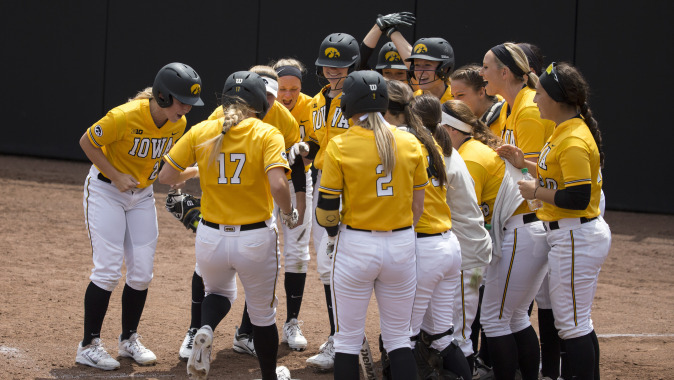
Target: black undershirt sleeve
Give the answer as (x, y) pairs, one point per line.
(297, 176)
(574, 197)
(313, 149)
(365, 54)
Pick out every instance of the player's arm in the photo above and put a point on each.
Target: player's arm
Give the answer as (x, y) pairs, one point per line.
(299, 180)
(327, 212)
(169, 175)
(368, 45)
(404, 48)
(418, 204)
(122, 181)
(278, 184)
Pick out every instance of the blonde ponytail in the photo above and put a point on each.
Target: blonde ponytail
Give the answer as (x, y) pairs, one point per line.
(234, 113)
(384, 139)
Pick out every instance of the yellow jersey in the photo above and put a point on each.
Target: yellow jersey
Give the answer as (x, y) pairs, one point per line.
(487, 170)
(436, 217)
(570, 158)
(524, 127)
(279, 117)
(235, 187)
(302, 114)
(445, 97)
(327, 123)
(131, 141)
(371, 198)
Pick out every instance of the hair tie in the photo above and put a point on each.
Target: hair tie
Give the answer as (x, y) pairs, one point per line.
(285, 71)
(397, 107)
(503, 55)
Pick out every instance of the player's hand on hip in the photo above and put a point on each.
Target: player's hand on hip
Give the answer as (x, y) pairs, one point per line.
(527, 188)
(125, 182)
(513, 154)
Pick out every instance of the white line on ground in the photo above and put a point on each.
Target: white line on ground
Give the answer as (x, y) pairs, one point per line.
(635, 335)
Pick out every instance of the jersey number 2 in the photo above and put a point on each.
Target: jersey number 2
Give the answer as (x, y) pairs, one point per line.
(384, 189)
(240, 159)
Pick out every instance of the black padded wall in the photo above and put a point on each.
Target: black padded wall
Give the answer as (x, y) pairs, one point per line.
(53, 65)
(66, 63)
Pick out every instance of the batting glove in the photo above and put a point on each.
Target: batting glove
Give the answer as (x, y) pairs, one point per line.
(385, 22)
(290, 219)
(299, 149)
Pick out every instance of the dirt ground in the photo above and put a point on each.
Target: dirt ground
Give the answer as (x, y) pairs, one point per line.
(45, 260)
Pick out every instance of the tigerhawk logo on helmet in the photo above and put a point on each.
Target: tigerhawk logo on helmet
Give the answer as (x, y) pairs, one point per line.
(195, 89)
(393, 56)
(421, 48)
(332, 53)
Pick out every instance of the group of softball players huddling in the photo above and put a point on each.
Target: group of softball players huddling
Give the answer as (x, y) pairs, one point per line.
(409, 180)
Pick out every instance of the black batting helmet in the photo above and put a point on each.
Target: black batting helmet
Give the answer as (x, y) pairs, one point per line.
(434, 49)
(249, 87)
(389, 58)
(177, 80)
(338, 50)
(364, 91)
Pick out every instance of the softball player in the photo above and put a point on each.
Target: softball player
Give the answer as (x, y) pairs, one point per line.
(431, 60)
(506, 70)
(474, 236)
(516, 271)
(469, 87)
(125, 148)
(280, 118)
(338, 55)
(438, 252)
(380, 173)
(569, 184)
(239, 157)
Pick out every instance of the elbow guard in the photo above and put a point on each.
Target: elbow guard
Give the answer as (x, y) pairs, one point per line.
(574, 197)
(327, 210)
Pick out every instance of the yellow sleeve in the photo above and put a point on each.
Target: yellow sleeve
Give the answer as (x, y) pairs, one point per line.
(574, 162)
(531, 132)
(274, 151)
(332, 179)
(480, 177)
(182, 155)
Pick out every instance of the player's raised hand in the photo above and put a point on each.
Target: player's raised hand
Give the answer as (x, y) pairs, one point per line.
(384, 22)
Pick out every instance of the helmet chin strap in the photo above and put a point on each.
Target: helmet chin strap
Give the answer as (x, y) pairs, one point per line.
(435, 74)
(339, 79)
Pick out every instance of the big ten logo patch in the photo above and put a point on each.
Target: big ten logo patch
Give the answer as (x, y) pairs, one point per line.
(98, 131)
(137, 131)
(144, 146)
(392, 56)
(420, 48)
(195, 89)
(332, 53)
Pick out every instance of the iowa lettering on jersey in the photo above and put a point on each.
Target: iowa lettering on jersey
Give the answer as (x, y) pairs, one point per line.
(550, 183)
(141, 147)
(338, 120)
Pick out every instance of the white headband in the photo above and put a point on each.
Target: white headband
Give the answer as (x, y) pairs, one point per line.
(378, 114)
(455, 123)
(271, 85)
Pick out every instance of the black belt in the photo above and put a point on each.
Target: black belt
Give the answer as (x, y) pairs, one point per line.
(358, 229)
(423, 235)
(555, 225)
(104, 178)
(529, 218)
(244, 227)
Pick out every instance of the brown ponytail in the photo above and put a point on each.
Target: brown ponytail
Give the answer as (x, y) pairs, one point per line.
(577, 92)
